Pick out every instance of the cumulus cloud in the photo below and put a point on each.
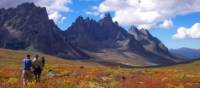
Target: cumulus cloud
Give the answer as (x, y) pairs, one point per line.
(55, 16)
(183, 32)
(167, 24)
(54, 7)
(146, 13)
(93, 11)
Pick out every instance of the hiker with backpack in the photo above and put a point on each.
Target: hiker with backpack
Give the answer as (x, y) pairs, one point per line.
(26, 73)
(32, 67)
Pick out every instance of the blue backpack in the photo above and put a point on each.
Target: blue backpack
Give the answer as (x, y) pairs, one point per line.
(27, 63)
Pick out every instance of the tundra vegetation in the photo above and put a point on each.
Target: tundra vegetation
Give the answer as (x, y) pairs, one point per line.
(59, 73)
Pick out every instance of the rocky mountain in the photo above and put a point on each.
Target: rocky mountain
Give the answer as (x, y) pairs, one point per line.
(87, 33)
(28, 27)
(107, 41)
(186, 53)
(150, 43)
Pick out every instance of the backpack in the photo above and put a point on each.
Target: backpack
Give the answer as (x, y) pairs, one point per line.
(27, 64)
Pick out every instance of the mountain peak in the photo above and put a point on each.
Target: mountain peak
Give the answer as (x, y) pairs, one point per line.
(133, 30)
(26, 5)
(145, 32)
(108, 15)
(107, 19)
(79, 19)
(133, 27)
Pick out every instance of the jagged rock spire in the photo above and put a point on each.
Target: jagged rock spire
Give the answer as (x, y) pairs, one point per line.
(107, 19)
(107, 15)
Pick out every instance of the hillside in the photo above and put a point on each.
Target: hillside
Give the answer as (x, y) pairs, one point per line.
(80, 74)
(9, 57)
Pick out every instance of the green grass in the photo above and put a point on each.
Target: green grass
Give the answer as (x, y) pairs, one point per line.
(15, 57)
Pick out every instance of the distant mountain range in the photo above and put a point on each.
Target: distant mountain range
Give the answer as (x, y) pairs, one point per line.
(28, 27)
(187, 53)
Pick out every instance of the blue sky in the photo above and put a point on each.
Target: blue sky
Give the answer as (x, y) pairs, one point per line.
(166, 35)
(80, 7)
(175, 22)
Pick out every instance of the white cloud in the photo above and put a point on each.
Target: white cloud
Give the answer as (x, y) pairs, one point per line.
(92, 13)
(147, 12)
(54, 7)
(183, 32)
(63, 18)
(55, 16)
(167, 24)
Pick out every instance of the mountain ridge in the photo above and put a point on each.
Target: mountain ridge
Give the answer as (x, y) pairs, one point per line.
(105, 36)
(187, 53)
(28, 27)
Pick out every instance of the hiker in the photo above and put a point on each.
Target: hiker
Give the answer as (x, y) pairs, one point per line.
(26, 73)
(37, 65)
